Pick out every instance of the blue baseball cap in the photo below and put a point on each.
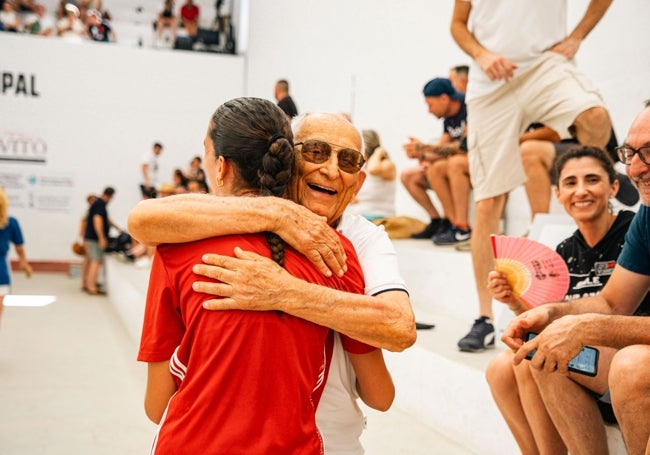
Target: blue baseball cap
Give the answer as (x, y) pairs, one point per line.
(441, 86)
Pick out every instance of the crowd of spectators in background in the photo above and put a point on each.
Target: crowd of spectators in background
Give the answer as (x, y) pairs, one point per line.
(89, 20)
(81, 20)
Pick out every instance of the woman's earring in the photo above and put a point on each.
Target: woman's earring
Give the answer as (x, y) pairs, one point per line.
(219, 183)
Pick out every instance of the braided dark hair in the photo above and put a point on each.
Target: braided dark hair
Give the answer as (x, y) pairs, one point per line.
(255, 136)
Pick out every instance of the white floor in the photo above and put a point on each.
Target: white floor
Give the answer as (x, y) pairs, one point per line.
(70, 384)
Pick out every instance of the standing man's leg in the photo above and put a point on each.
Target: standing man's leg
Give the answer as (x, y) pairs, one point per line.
(495, 169)
(486, 221)
(629, 384)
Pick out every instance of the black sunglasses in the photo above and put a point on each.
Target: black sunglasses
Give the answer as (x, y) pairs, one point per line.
(626, 153)
(318, 152)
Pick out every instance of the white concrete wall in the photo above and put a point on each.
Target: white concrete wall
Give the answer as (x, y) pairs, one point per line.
(101, 107)
(372, 58)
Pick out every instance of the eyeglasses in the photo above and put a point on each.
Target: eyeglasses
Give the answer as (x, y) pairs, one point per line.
(318, 152)
(626, 153)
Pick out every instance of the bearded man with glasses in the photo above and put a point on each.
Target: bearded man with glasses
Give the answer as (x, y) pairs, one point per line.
(605, 320)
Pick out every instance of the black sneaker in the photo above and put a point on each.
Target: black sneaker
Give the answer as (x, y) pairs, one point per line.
(429, 231)
(479, 338)
(452, 236)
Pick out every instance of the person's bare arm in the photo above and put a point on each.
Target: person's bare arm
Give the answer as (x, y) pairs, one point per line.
(374, 383)
(380, 165)
(145, 174)
(160, 388)
(188, 217)
(22, 260)
(581, 322)
(494, 66)
(594, 13)
(98, 223)
(252, 282)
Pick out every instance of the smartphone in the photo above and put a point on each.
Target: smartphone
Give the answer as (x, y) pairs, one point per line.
(586, 362)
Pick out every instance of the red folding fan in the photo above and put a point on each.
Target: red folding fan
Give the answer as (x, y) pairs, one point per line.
(536, 273)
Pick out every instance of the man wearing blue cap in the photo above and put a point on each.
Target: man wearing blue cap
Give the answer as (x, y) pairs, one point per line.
(446, 103)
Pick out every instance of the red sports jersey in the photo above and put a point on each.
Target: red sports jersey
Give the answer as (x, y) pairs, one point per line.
(248, 380)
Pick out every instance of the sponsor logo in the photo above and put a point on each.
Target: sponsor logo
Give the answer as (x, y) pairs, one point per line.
(15, 147)
(19, 84)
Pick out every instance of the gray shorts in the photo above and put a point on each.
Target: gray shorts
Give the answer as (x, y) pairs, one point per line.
(94, 251)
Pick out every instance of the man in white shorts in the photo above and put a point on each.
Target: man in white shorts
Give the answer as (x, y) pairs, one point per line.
(522, 72)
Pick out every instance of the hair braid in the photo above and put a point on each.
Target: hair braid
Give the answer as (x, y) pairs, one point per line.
(255, 135)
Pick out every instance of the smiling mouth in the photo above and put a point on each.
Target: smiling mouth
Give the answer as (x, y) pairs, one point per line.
(321, 189)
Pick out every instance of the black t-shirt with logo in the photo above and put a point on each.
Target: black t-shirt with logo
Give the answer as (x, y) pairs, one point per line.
(590, 268)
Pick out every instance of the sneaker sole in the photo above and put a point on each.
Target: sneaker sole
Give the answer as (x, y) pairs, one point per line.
(470, 349)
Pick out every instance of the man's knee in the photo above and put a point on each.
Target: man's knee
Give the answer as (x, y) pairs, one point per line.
(499, 371)
(490, 207)
(629, 372)
(406, 176)
(593, 127)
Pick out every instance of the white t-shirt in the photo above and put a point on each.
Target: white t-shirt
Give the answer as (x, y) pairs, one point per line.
(151, 160)
(375, 199)
(338, 415)
(519, 30)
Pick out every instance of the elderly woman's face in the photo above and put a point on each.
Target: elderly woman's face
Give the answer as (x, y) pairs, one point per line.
(324, 188)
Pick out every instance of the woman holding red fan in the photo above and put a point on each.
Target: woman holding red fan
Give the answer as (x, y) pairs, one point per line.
(541, 424)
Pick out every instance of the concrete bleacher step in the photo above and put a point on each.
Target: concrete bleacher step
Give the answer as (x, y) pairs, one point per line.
(436, 384)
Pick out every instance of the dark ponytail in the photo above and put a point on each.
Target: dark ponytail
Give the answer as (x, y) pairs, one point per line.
(255, 136)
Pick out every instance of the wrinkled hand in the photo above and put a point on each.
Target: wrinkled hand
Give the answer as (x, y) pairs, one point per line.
(556, 345)
(569, 47)
(248, 281)
(309, 234)
(496, 67)
(533, 320)
(411, 148)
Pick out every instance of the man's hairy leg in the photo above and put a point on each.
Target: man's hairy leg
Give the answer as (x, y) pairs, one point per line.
(630, 392)
(415, 183)
(486, 221)
(574, 412)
